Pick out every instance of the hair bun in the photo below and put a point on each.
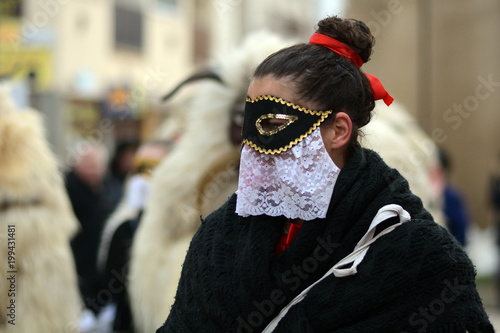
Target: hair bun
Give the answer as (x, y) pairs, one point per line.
(354, 33)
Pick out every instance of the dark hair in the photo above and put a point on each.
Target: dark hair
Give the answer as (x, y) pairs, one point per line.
(121, 148)
(444, 160)
(324, 78)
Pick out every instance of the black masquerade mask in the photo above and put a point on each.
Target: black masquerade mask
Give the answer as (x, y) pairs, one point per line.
(273, 125)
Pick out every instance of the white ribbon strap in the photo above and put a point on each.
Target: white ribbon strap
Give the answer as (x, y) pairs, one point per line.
(355, 258)
(359, 252)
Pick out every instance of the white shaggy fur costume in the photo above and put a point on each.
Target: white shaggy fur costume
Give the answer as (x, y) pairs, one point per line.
(34, 200)
(199, 175)
(397, 137)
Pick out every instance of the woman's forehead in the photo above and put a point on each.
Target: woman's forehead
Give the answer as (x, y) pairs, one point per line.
(281, 88)
(269, 85)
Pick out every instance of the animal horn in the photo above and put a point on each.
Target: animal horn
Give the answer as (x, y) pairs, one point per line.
(208, 73)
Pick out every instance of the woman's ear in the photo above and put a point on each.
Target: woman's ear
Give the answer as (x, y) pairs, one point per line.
(336, 136)
(339, 132)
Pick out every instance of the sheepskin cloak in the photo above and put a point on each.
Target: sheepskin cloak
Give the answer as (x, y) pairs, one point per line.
(42, 294)
(413, 279)
(196, 177)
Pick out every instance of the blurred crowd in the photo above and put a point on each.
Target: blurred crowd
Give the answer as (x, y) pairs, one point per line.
(108, 199)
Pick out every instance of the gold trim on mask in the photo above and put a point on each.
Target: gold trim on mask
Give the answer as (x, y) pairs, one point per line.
(290, 104)
(289, 119)
(322, 114)
(288, 146)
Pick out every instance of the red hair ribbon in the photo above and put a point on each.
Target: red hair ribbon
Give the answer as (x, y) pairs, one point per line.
(342, 49)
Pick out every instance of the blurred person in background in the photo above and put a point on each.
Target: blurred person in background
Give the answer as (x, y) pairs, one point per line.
(116, 240)
(494, 195)
(494, 201)
(92, 205)
(196, 177)
(454, 205)
(120, 166)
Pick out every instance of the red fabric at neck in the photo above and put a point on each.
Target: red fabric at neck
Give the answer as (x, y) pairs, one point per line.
(286, 239)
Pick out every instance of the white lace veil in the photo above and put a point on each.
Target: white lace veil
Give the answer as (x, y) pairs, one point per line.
(297, 183)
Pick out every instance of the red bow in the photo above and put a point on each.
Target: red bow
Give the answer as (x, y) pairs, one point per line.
(378, 89)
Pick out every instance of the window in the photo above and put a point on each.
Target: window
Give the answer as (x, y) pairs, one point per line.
(167, 3)
(128, 27)
(10, 8)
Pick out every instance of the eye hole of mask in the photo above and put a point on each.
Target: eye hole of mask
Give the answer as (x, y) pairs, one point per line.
(270, 124)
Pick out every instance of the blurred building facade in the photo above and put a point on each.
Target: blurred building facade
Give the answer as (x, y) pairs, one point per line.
(222, 24)
(440, 60)
(97, 69)
(103, 60)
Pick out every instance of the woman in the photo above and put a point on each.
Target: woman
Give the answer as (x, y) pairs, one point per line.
(321, 236)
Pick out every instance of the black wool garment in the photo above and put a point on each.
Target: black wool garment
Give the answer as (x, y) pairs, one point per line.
(416, 278)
